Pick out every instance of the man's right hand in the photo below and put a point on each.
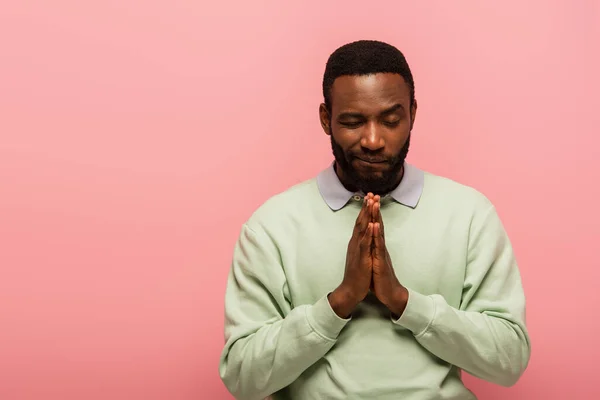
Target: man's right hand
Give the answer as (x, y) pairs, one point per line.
(357, 276)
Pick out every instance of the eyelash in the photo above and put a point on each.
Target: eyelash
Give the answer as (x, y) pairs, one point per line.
(357, 124)
(351, 124)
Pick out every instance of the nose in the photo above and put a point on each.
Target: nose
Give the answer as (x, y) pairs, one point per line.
(371, 137)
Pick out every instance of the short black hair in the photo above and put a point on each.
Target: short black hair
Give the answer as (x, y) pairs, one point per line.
(365, 57)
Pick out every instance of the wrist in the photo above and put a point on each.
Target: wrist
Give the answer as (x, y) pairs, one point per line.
(399, 301)
(342, 302)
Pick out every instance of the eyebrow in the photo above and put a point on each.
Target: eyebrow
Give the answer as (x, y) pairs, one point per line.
(385, 112)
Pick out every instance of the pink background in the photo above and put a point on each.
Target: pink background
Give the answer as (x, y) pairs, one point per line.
(137, 136)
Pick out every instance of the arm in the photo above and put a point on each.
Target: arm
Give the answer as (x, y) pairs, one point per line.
(486, 336)
(269, 343)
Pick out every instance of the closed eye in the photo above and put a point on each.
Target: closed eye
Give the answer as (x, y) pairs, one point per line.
(351, 124)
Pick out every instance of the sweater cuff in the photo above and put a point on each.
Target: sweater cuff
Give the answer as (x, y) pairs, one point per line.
(324, 321)
(418, 314)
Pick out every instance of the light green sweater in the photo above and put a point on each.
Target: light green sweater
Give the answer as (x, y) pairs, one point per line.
(466, 307)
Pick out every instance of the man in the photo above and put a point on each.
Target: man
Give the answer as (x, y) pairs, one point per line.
(375, 280)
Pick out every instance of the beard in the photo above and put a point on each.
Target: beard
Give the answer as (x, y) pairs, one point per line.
(376, 183)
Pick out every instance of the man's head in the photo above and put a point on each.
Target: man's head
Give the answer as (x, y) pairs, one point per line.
(369, 110)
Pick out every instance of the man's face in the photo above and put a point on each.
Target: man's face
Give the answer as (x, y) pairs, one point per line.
(369, 124)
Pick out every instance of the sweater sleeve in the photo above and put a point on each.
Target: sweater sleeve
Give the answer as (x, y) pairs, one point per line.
(487, 335)
(268, 342)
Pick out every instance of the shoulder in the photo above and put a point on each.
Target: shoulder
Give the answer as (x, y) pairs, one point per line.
(441, 190)
(446, 198)
(283, 205)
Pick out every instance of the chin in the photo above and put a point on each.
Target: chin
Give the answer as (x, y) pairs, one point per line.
(372, 176)
(375, 186)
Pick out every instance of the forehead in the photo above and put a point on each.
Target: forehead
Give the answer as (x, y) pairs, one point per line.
(369, 92)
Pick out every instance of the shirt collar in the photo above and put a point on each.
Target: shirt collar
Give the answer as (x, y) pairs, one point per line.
(408, 192)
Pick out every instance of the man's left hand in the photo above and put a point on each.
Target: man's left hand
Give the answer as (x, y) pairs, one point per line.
(386, 286)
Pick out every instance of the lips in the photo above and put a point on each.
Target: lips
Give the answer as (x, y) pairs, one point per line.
(370, 164)
(372, 160)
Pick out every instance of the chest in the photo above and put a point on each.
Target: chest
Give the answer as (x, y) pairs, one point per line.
(428, 254)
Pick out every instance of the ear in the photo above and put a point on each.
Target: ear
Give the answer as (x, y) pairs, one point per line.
(413, 113)
(325, 119)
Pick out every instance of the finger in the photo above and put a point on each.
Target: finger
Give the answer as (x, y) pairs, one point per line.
(367, 239)
(378, 240)
(379, 219)
(367, 216)
(360, 225)
(363, 217)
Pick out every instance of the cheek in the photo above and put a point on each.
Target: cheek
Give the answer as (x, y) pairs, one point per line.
(396, 139)
(347, 139)
(399, 139)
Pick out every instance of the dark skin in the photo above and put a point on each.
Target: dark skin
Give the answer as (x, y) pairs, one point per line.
(371, 119)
